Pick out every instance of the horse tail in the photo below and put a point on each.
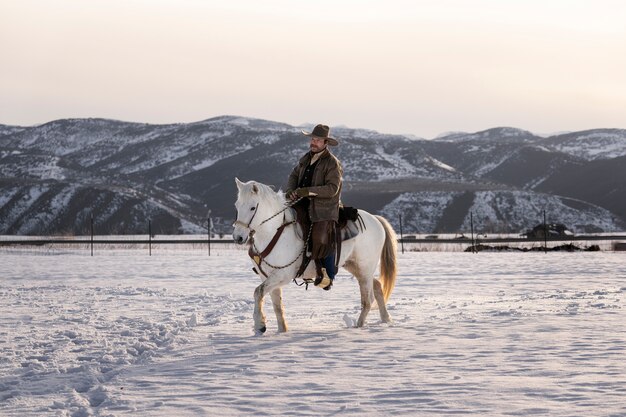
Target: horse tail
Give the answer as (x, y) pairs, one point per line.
(388, 259)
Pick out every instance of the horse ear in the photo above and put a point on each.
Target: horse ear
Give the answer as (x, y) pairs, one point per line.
(239, 183)
(255, 189)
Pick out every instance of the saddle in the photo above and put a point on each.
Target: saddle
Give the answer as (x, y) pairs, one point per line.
(348, 226)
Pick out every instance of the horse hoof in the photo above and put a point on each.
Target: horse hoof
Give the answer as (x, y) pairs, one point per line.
(261, 330)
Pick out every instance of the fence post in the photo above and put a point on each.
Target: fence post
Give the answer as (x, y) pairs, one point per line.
(150, 236)
(91, 234)
(472, 231)
(401, 237)
(545, 233)
(208, 228)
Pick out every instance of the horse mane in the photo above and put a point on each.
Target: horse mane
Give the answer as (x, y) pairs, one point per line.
(264, 191)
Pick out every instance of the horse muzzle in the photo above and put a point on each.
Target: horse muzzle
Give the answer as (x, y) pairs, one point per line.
(240, 236)
(240, 240)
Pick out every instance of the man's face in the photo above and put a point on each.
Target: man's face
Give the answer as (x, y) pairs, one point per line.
(317, 144)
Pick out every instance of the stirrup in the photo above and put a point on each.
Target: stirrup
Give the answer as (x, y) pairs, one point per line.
(324, 282)
(305, 282)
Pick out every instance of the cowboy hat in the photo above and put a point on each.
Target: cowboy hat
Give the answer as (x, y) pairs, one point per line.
(322, 131)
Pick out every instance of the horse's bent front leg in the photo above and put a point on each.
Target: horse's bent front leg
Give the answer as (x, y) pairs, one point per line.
(366, 300)
(259, 315)
(277, 303)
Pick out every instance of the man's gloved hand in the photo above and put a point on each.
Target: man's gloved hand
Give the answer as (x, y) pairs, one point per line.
(302, 192)
(299, 193)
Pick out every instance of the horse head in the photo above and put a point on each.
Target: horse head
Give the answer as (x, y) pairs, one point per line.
(255, 202)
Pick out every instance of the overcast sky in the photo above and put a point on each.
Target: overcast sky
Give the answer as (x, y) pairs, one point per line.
(418, 67)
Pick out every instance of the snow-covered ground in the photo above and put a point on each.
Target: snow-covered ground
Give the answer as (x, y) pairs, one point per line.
(123, 333)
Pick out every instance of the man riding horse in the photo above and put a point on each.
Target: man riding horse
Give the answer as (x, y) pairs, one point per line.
(317, 180)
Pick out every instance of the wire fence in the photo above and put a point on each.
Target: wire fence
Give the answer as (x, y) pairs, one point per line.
(546, 237)
(150, 245)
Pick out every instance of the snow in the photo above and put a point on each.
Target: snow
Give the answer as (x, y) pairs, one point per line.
(61, 200)
(420, 211)
(440, 164)
(7, 194)
(28, 196)
(594, 145)
(498, 212)
(489, 206)
(488, 166)
(28, 166)
(241, 121)
(124, 333)
(493, 133)
(450, 133)
(189, 228)
(396, 166)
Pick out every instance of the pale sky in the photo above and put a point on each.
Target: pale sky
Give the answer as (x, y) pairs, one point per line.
(412, 67)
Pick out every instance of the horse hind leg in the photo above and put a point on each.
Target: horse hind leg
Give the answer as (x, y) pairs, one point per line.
(277, 303)
(380, 300)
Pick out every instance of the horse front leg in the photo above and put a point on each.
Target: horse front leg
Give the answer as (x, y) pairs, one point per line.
(259, 315)
(366, 300)
(277, 303)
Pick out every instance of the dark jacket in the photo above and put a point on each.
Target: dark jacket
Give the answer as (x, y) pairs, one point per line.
(326, 185)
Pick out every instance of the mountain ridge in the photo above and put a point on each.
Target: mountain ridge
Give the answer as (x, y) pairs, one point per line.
(177, 172)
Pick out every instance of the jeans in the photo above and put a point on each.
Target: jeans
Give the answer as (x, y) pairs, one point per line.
(329, 263)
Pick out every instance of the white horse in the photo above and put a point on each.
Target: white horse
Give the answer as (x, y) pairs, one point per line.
(261, 212)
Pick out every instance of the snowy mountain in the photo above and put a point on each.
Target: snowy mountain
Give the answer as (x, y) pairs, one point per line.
(497, 211)
(55, 176)
(479, 153)
(590, 144)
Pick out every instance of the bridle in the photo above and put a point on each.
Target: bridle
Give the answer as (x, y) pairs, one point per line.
(256, 209)
(259, 256)
(247, 226)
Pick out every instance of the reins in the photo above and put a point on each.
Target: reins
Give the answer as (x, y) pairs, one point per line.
(259, 256)
(247, 226)
(287, 206)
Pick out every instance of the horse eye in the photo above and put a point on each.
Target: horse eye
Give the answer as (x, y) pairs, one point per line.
(252, 208)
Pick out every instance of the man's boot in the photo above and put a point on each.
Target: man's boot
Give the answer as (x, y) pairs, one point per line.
(325, 272)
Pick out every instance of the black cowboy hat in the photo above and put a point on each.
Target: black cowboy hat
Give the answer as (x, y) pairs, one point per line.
(322, 131)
